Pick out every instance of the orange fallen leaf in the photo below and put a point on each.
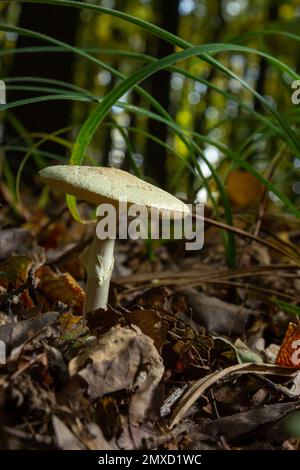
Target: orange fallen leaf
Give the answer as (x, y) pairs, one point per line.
(26, 300)
(244, 189)
(289, 353)
(61, 287)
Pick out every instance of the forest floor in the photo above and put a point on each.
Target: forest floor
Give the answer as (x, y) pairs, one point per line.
(186, 357)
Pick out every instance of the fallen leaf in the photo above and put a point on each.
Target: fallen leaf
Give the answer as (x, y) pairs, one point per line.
(154, 298)
(61, 288)
(215, 314)
(243, 188)
(152, 324)
(237, 425)
(16, 334)
(123, 359)
(14, 270)
(289, 353)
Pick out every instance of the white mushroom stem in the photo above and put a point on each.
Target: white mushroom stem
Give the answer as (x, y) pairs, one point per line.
(98, 260)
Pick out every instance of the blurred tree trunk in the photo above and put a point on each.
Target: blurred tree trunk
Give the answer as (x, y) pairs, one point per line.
(61, 23)
(156, 158)
(271, 16)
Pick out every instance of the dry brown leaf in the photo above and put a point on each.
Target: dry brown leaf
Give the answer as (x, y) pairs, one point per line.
(15, 334)
(123, 359)
(61, 288)
(239, 424)
(151, 324)
(215, 314)
(154, 298)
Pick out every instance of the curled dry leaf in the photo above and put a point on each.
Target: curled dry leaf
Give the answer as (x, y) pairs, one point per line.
(124, 358)
(154, 298)
(61, 287)
(215, 314)
(16, 334)
(289, 353)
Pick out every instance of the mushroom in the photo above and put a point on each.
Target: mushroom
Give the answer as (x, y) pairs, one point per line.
(101, 185)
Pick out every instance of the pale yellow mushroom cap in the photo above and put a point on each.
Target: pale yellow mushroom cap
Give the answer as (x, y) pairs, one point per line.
(111, 185)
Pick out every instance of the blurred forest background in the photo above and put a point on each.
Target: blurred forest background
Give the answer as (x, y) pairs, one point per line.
(119, 83)
(225, 115)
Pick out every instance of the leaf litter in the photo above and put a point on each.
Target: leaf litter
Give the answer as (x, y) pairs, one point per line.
(182, 359)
